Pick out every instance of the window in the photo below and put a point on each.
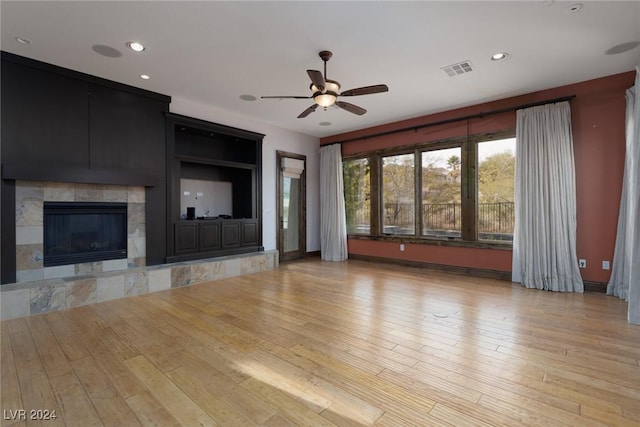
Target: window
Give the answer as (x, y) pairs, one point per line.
(454, 190)
(357, 191)
(398, 194)
(441, 197)
(496, 178)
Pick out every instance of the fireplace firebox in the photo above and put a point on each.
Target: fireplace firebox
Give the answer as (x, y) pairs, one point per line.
(78, 232)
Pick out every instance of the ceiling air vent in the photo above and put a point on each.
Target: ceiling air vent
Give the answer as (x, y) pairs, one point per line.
(459, 68)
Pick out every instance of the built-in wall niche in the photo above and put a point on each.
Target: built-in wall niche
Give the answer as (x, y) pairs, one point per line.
(209, 199)
(223, 191)
(217, 170)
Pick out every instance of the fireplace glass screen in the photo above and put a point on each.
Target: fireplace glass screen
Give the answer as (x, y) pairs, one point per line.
(77, 232)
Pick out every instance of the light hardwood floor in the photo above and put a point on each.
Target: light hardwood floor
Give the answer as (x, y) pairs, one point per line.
(321, 343)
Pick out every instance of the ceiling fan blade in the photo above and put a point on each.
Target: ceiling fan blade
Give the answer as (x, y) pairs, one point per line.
(308, 111)
(351, 108)
(285, 97)
(316, 78)
(366, 90)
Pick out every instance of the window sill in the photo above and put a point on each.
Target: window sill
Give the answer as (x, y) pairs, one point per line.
(435, 242)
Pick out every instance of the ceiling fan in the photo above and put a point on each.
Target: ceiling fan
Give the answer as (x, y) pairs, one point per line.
(325, 92)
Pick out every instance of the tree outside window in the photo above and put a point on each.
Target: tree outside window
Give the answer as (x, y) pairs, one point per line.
(357, 192)
(441, 197)
(496, 179)
(398, 194)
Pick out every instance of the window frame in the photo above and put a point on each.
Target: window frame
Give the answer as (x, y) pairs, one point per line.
(469, 191)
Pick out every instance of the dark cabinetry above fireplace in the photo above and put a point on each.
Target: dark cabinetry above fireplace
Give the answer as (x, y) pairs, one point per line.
(224, 165)
(43, 110)
(60, 122)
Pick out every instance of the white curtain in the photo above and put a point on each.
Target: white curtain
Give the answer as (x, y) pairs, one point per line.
(544, 241)
(625, 275)
(333, 222)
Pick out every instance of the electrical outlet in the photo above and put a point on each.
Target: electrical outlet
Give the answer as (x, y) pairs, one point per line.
(582, 263)
(401, 247)
(606, 265)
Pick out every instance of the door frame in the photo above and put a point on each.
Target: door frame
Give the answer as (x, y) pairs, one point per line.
(302, 211)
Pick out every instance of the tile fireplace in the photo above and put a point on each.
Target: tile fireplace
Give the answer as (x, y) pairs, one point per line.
(40, 252)
(77, 232)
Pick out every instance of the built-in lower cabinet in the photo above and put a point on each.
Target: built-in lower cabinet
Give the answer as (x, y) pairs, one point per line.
(210, 238)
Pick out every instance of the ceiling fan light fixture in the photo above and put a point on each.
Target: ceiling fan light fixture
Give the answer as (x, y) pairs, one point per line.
(325, 99)
(325, 92)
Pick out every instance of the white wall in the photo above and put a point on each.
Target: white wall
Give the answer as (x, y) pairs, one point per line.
(275, 139)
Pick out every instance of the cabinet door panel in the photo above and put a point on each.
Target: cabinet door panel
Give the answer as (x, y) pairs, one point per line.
(45, 118)
(230, 234)
(249, 233)
(186, 238)
(209, 236)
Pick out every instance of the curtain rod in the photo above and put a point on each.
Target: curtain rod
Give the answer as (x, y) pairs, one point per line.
(457, 119)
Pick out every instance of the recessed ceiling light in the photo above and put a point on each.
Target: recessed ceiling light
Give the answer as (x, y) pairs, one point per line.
(248, 97)
(144, 77)
(135, 46)
(22, 40)
(500, 56)
(576, 7)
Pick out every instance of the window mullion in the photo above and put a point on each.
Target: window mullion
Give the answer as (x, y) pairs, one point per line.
(375, 207)
(469, 193)
(418, 192)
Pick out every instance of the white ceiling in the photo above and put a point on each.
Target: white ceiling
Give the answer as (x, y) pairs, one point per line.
(214, 52)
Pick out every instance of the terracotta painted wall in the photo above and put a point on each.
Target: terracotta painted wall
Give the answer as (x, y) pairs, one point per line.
(598, 115)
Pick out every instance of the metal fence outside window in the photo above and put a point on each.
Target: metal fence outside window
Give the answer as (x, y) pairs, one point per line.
(495, 220)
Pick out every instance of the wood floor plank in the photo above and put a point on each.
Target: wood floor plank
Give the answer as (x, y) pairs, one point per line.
(150, 412)
(26, 356)
(10, 397)
(185, 410)
(75, 406)
(324, 343)
(286, 405)
(109, 404)
(455, 417)
(36, 390)
(197, 362)
(97, 340)
(53, 358)
(216, 407)
(379, 392)
(342, 406)
(62, 326)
